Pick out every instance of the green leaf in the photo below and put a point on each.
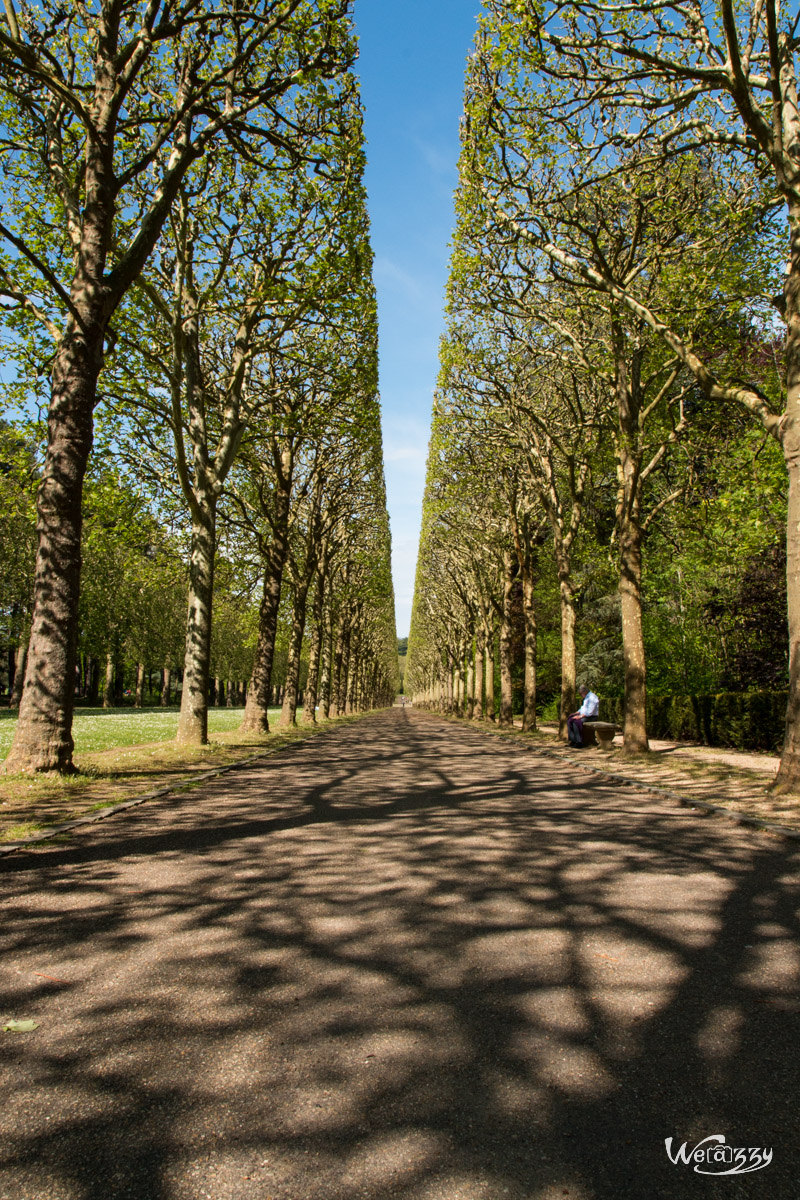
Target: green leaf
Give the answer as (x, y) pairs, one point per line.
(26, 1026)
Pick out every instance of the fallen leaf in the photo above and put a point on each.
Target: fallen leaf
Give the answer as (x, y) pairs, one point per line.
(26, 1026)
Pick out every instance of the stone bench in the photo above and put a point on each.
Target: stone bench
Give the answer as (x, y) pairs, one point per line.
(599, 733)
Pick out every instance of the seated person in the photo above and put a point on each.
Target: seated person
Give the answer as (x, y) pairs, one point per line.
(587, 712)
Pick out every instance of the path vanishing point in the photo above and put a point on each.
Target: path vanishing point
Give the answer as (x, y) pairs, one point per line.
(403, 959)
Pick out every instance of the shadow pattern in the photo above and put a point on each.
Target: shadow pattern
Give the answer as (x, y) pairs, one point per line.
(403, 960)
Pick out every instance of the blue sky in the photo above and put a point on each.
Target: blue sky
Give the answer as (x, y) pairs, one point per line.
(412, 55)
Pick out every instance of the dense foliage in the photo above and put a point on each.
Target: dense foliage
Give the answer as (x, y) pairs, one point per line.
(612, 469)
(202, 517)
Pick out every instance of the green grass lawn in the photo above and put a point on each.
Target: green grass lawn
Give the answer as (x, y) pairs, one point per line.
(110, 728)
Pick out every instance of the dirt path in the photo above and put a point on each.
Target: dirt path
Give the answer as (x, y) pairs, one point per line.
(403, 960)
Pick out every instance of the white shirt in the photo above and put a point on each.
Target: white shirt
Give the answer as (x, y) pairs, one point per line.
(590, 706)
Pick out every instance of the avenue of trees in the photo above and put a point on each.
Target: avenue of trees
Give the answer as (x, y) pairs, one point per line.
(186, 292)
(613, 478)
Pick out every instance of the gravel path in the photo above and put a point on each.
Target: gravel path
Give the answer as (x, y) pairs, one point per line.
(404, 959)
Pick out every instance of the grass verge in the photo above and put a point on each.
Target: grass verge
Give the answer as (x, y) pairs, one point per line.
(29, 805)
(95, 729)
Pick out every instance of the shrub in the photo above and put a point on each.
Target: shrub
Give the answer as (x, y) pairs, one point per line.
(743, 720)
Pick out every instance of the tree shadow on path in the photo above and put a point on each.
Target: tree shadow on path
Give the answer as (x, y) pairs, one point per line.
(401, 960)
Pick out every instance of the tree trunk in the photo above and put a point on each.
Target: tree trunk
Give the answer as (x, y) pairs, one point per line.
(506, 690)
(19, 670)
(137, 703)
(256, 713)
(340, 670)
(470, 679)
(488, 658)
(629, 529)
(315, 650)
(351, 697)
(529, 609)
(165, 686)
(568, 668)
(337, 649)
(43, 737)
(108, 691)
(788, 778)
(289, 708)
(94, 682)
(193, 719)
(630, 593)
(458, 700)
(349, 665)
(327, 659)
(480, 650)
(312, 683)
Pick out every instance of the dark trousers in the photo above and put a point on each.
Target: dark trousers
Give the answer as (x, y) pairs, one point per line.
(574, 730)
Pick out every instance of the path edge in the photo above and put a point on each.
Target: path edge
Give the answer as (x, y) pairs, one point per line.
(686, 801)
(308, 732)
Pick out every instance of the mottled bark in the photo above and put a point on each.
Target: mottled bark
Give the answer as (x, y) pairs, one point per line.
(289, 708)
(19, 669)
(529, 610)
(458, 693)
(788, 778)
(193, 719)
(568, 666)
(342, 652)
(315, 650)
(337, 656)
(94, 682)
(630, 593)
(480, 650)
(137, 703)
(351, 698)
(108, 691)
(43, 737)
(327, 659)
(488, 658)
(470, 679)
(629, 532)
(352, 663)
(256, 715)
(506, 690)
(312, 683)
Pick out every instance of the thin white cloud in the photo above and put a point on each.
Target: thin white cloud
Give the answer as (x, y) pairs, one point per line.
(390, 273)
(439, 160)
(415, 454)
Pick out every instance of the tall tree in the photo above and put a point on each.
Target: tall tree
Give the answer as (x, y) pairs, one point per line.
(106, 110)
(666, 82)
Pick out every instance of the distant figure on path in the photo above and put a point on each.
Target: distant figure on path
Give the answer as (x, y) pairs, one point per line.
(590, 708)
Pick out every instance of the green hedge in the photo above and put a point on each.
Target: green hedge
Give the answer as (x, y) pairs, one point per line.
(744, 720)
